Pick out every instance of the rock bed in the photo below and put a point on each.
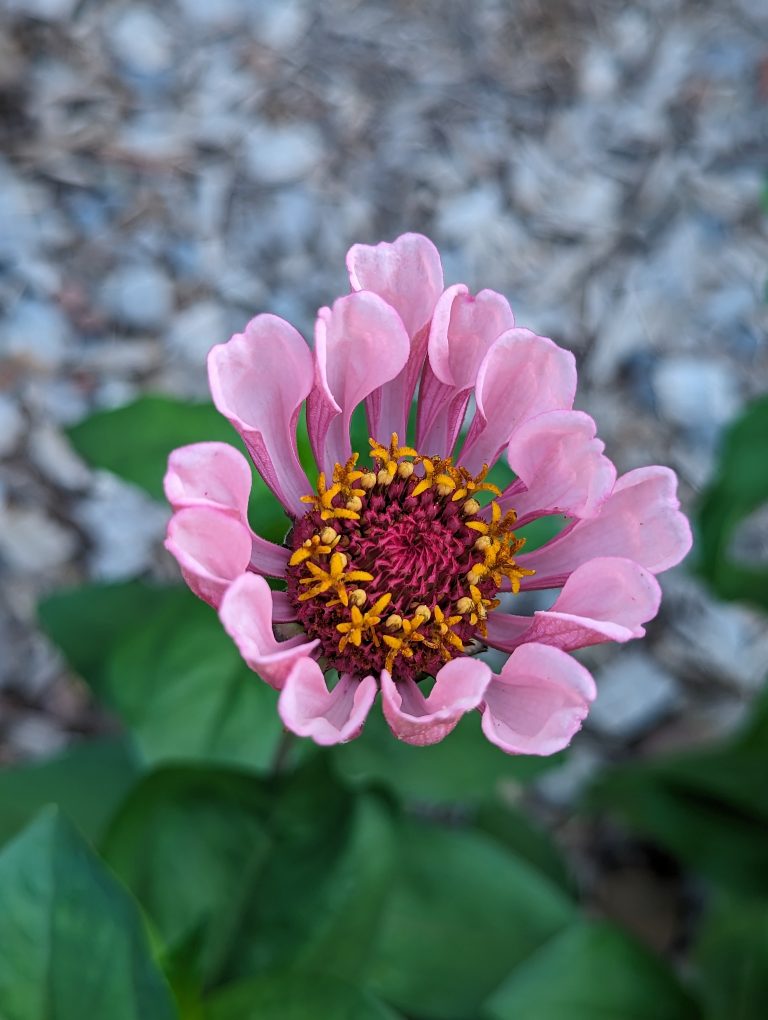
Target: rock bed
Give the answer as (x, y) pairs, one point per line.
(170, 169)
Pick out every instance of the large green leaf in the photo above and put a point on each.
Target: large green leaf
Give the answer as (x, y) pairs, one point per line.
(72, 942)
(462, 768)
(134, 442)
(242, 875)
(166, 665)
(289, 995)
(317, 903)
(512, 828)
(462, 914)
(187, 842)
(87, 622)
(591, 971)
(739, 487)
(732, 957)
(87, 781)
(179, 683)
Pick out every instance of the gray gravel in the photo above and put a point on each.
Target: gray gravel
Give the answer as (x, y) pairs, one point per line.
(169, 169)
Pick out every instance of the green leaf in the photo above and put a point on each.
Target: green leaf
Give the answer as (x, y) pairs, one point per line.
(179, 683)
(318, 901)
(86, 622)
(87, 781)
(740, 486)
(463, 768)
(709, 809)
(510, 827)
(186, 842)
(732, 957)
(165, 664)
(462, 914)
(241, 875)
(289, 995)
(73, 943)
(590, 971)
(134, 442)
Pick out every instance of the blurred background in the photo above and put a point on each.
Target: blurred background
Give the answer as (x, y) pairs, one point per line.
(169, 169)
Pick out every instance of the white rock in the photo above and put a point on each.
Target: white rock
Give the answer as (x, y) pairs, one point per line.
(695, 391)
(32, 542)
(141, 41)
(280, 153)
(53, 455)
(45, 10)
(36, 735)
(281, 26)
(35, 334)
(725, 642)
(633, 693)
(124, 525)
(214, 13)
(563, 785)
(196, 330)
(598, 73)
(11, 425)
(138, 296)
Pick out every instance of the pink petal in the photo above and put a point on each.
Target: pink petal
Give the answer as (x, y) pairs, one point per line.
(562, 465)
(606, 599)
(459, 687)
(309, 709)
(211, 547)
(407, 274)
(463, 329)
(640, 521)
(247, 614)
(283, 610)
(538, 701)
(259, 380)
(208, 474)
(522, 375)
(217, 475)
(360, 344)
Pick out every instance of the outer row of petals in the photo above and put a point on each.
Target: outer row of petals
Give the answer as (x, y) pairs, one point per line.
(538, 701)
(605, 599)
(309, 709)
(560, 467)
(259, 379)
(640, 521)
(360, 344)
(521, 376)
(215, 477)
(407, 273)
(247, 613)
(463, 328)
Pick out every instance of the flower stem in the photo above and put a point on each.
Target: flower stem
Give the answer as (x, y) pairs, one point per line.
(282, 753)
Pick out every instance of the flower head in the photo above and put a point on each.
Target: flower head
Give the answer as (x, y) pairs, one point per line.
(399, 561)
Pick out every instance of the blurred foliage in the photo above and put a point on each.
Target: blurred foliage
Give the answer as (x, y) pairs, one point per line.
(708, 808)
(732, 959)
(214, 878)
(740, 486)
(590, 971)
(71, 935)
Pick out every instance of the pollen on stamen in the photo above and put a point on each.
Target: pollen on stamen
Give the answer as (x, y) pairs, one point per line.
(393, 567)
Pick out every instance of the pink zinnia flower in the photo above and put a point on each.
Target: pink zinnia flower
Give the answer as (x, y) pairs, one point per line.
(394, 562)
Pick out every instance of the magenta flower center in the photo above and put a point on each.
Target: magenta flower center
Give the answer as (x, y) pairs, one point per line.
(398, 567)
